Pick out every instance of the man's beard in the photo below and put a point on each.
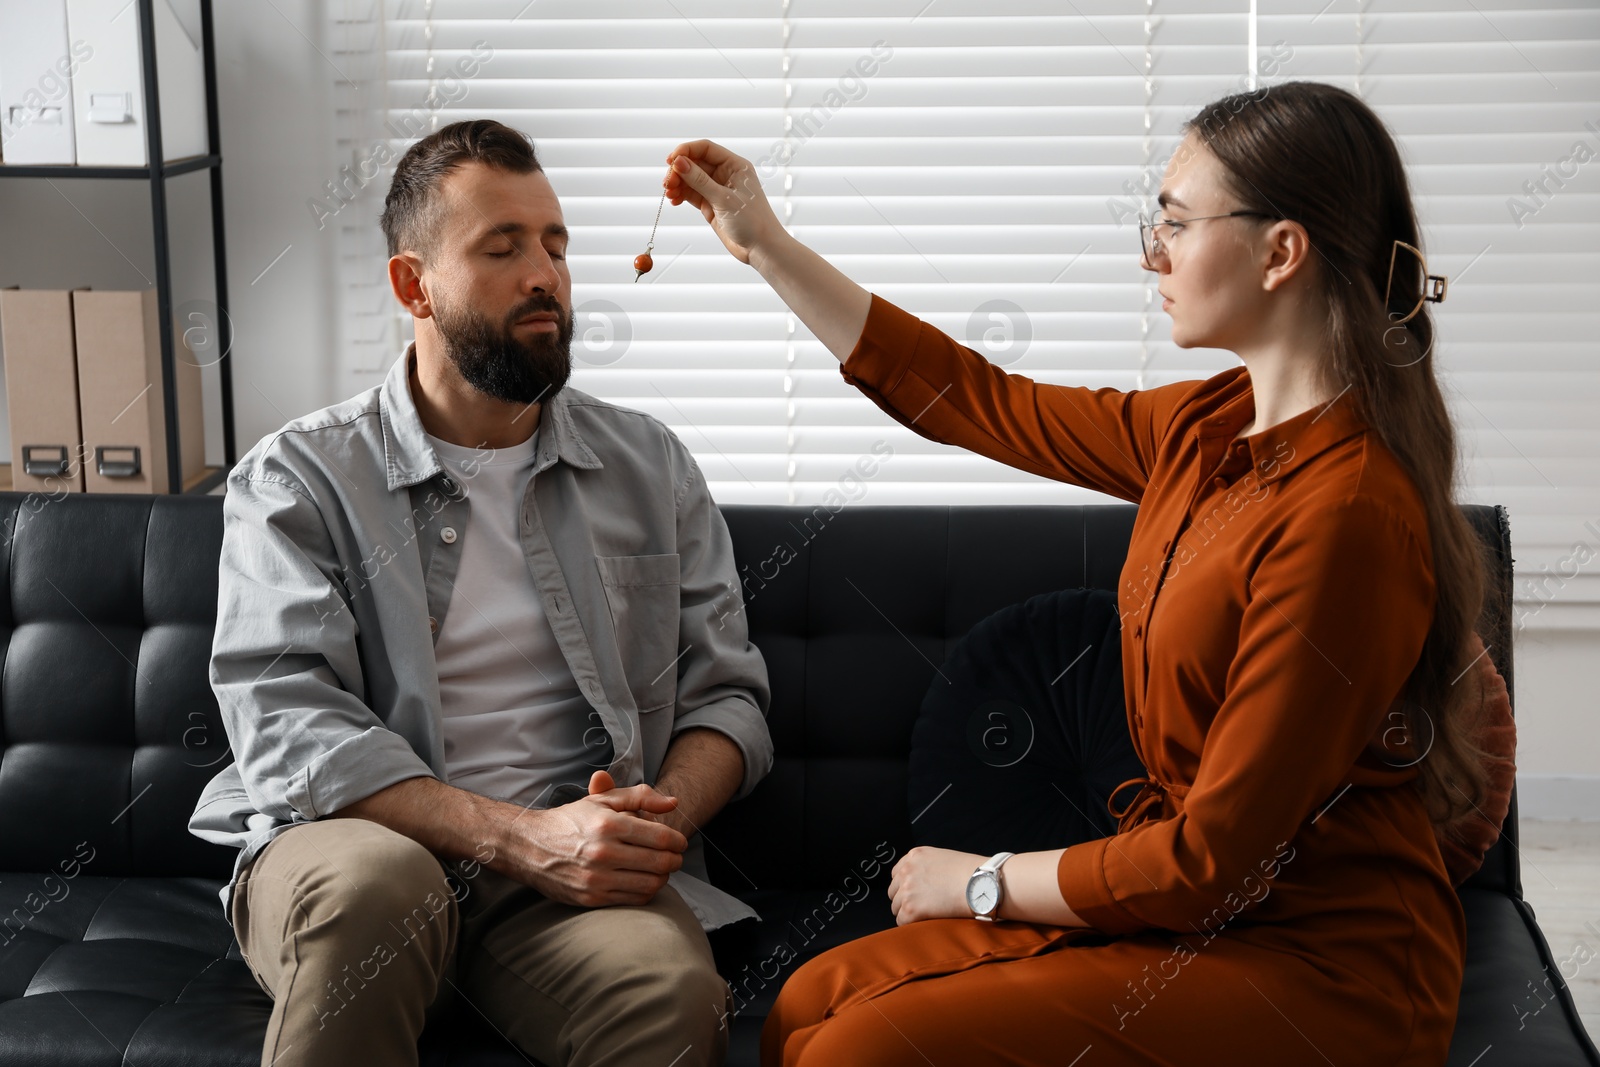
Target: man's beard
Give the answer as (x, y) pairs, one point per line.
(499, 363)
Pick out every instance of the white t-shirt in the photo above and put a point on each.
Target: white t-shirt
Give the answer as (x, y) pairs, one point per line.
(515, 723)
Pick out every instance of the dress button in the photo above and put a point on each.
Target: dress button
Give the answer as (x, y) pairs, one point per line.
(433, 625)
(1166, 546)
(448, 535)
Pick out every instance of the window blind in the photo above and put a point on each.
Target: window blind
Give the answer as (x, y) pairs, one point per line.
(979, 164)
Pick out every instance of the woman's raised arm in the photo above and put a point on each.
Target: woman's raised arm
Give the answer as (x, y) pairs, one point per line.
(1104, 439)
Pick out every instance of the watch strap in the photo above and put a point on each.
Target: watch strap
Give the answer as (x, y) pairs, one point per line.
(993, 862)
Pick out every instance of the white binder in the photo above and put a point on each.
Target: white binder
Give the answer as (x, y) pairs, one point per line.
(36, 68)
(108, 91)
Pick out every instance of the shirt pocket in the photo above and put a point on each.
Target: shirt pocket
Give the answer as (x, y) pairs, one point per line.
(642, 593)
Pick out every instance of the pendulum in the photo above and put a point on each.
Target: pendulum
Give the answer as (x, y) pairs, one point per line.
(642, 262)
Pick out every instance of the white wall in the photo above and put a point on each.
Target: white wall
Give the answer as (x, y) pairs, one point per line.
(1558, 724)
(275, 88)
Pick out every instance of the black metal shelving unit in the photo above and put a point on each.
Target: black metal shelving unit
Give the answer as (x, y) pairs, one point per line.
(158, 171)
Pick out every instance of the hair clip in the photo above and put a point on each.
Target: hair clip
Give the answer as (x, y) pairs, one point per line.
(1433, 287)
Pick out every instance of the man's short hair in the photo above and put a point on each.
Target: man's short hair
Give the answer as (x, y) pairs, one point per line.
(412, 211)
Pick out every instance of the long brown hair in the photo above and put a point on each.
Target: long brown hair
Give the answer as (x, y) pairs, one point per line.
(1318, 155)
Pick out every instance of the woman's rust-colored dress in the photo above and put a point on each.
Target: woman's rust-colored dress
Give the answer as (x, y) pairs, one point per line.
(1274, 893)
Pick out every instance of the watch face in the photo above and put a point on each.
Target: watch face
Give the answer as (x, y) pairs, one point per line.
(981, 895)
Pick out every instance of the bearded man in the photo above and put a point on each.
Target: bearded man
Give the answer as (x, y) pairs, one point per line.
(483, 666)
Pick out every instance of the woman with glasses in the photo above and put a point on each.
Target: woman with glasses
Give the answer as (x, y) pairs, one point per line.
(1300, 593)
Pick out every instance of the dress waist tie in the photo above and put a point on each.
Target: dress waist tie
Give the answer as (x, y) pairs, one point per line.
(1151, 794)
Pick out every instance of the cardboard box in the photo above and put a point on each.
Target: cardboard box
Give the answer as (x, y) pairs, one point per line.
(42, 390)
(120, 394)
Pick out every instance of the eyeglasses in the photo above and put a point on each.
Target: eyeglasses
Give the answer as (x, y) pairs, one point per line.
(1155, 248)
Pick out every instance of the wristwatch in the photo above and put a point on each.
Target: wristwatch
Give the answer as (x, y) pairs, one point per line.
(984, 891)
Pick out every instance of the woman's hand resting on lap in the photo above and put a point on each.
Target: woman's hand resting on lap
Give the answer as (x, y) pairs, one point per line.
(931, 883)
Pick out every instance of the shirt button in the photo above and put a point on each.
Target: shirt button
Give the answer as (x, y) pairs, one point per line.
(433, 625)
(448, 534)
(448, 483)
(1219, 482)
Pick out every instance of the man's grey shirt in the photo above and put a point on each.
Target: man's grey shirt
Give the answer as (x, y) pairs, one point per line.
(342, 535)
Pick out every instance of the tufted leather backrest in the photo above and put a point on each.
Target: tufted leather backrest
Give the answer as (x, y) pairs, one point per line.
(109, 728)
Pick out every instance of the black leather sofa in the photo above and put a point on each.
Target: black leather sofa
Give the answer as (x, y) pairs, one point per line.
(113, 945)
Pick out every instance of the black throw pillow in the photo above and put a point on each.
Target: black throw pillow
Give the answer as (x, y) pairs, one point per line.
(1024, 733)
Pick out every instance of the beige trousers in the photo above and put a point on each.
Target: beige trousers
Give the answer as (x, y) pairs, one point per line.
(361, 935)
